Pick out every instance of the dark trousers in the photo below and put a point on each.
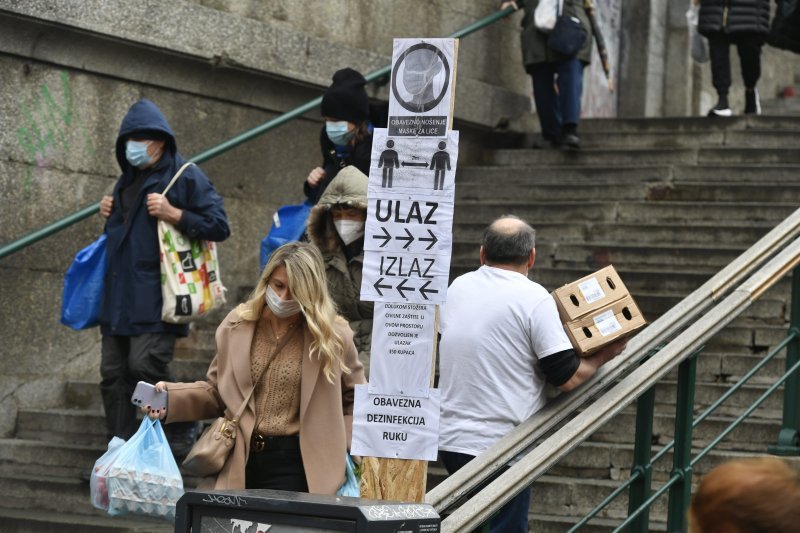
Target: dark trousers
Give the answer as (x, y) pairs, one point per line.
(513, 516)
(749, 47)
(124, 362)
(557, 91)
(278, 467)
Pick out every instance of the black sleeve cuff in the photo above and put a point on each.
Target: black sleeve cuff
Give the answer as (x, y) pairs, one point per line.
(559, 367)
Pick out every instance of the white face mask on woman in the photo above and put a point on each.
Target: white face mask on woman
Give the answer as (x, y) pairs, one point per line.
(349, 230)
(279, 307)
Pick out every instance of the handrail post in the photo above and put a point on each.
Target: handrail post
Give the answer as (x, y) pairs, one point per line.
(789, 436)
(681, 492)
(642, 451)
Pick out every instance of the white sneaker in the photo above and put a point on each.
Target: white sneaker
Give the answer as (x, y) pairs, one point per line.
(720, 112)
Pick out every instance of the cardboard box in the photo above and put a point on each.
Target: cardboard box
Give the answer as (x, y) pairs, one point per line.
(605, 325)
(589, 294)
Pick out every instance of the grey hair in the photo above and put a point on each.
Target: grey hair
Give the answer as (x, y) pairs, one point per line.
(508, 248)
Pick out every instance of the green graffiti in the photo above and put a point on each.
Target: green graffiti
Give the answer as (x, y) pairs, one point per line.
(47, 124)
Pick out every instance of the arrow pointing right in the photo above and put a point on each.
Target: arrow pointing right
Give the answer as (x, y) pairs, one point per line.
(433, 240)
(378, 286)
(409, 238)
(386, 237)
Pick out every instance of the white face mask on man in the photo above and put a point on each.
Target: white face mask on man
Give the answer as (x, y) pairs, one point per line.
(279, 307)
(349, 230)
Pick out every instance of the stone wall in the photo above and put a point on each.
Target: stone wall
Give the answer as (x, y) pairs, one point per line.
(72, 69)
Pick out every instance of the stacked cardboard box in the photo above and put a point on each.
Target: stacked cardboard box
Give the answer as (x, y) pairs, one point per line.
(597, 310)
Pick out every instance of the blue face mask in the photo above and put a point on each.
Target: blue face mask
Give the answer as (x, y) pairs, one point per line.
(136, 153)
(338, 133)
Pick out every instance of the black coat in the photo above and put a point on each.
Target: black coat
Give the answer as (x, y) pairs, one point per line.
(785, 32)
(359, 156)
(132, 295)
(733, 16)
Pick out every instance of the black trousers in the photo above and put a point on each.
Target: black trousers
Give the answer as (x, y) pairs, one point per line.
(124, 362)
(749, 47)
(278, 467)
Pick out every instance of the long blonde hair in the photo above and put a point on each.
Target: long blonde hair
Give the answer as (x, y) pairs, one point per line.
(309, 287)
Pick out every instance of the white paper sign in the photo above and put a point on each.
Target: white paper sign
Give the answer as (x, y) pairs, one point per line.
(607, 323)
(409, 224)
(398, 277)
(402, 349)
(395, 427)
(591, 290)
(422, 86)
(416, 165)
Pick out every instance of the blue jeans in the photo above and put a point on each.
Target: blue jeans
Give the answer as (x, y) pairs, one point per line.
(513, 516)
(557, 107)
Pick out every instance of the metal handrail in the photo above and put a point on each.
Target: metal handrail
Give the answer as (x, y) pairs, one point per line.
(517, 442)
(86, 212)
(486, 502)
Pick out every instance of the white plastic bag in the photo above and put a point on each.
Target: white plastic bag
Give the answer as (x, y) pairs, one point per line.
(699, 45)
(98, 483)
(144, 478)
(546, 14)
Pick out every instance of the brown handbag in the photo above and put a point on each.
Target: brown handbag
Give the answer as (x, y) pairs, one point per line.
(209, 453)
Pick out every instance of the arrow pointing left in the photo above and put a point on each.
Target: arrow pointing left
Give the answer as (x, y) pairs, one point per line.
(378, 286)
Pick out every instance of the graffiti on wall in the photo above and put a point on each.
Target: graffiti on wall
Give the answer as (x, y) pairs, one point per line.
(51, 127)
(598, 101)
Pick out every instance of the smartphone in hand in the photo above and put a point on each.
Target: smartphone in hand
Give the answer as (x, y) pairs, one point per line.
(146, 394)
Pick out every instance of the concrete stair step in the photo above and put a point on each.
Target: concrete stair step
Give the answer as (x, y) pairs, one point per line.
(647, 156)
(67, 426)
(733, 234)
(52, 457)
(566, 175)
(706, 393)
(683, 124)
(703, 256)
(614, 461)
(595, 157)
(756, 138)
(696, 191)
(753, 435)
(576, 496)
(546, 523)
(625, 212)
(38, 521)
(738, 174)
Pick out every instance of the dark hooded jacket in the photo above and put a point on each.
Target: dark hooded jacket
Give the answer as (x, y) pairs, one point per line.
(132, 297)
(733, 16)
(344, 273)
(785, 31)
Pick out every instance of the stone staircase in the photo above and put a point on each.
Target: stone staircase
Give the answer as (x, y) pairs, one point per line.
(668, 202)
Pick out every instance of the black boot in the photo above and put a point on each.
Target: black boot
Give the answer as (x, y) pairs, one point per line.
(569, 137)
(752, 103)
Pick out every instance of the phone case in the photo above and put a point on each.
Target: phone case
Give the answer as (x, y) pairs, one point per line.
(146, 394)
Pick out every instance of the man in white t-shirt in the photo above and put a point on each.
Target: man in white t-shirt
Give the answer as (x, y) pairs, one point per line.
(502, 339)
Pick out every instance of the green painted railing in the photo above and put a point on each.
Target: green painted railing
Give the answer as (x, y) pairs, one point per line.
(86, 212)
(640, 495)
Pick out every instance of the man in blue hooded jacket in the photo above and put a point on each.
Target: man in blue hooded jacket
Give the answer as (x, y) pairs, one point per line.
(137, 344)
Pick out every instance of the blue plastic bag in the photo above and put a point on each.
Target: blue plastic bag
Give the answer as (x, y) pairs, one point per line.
(83, 286)
(351, 486)
(288, 225)
(144, 477)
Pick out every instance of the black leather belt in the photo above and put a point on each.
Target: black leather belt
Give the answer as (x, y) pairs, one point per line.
(261, 443)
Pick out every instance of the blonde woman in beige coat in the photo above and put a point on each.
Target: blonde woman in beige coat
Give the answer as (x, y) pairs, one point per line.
(297, 426)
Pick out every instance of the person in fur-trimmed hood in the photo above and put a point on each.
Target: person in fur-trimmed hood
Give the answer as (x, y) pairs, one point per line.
(336, 226)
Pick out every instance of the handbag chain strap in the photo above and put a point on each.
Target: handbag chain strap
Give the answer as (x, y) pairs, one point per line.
(176, 176)
(278, 347)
